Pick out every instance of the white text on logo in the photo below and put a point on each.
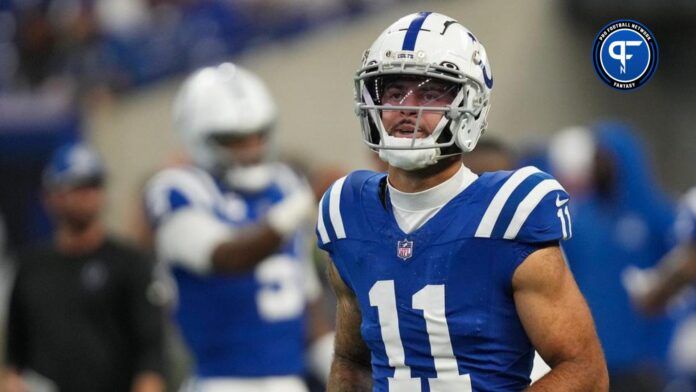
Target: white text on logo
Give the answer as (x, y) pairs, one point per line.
(621, 55)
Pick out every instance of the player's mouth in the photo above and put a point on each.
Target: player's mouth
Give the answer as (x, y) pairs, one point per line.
(406, 130)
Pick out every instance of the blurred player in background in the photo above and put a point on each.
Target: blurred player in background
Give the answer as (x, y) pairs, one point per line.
(654, 290)
(443, 277)
(624, 220)
(82, 315)
(233, 229)
(678, 268)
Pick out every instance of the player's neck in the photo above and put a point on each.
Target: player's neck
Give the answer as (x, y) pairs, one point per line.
(77, 241)
(411, 181)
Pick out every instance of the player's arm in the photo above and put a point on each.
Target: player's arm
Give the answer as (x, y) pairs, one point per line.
(252, 244)
(350, 370)
(559, 324)
(652, 289)
(246, 248)
(191, 235)
(675, 271)
(201, 242)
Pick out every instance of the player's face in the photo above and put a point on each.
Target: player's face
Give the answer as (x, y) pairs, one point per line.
(244, 150)
(77, 206)
(410, 91)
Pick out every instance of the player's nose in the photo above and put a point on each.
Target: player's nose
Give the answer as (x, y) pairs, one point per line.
(409, 101)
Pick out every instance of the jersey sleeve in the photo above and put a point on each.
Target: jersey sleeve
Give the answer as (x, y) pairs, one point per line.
(337, 220)
(172, 190)
(330, 226)
(528, 206)
(545, 218)
(338, 209)
(181, 206)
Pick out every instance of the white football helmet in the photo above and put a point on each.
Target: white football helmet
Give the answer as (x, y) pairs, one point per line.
(225, 101)
(428, 48)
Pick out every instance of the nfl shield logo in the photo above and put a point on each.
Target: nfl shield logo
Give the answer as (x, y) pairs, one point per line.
(404, 249)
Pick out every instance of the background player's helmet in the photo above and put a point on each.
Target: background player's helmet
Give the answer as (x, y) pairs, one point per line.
(431, 47)
(221, 101)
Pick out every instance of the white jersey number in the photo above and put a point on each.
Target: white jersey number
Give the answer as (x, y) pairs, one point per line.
(567, 228)
(281, 296)
(431, 300)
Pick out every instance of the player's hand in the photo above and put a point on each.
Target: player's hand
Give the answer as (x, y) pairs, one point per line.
(295, 210)
(639, 283)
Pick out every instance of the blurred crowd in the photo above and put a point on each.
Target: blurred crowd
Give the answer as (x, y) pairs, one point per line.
(113, 45)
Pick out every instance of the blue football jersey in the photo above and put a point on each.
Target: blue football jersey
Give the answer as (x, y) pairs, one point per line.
(242, 325)
(437, 306)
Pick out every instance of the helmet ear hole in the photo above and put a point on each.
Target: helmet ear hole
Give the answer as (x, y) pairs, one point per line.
(445, 137)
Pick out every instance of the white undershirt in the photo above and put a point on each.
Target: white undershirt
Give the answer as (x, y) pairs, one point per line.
(412, 210)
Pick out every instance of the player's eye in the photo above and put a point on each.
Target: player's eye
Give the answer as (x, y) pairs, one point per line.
(393, 95)
(439, 94)
(431, 95)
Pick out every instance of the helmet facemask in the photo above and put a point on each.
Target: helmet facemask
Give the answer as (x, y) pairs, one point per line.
(418, 91)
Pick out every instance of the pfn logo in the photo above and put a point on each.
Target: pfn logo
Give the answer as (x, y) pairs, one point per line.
(621, 55)
(625, 54)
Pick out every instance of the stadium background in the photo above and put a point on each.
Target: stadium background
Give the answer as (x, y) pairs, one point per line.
(544, 81)
(112, 67)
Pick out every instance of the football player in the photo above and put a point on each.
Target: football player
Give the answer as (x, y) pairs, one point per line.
(231, 228)
(447, 281)
(652, 289)
(663, 287)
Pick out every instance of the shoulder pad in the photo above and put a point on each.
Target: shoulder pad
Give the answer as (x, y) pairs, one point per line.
(527, 205)
(341, 197)
(176, 188)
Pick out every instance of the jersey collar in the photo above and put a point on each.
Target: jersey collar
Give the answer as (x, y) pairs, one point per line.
(434, 197)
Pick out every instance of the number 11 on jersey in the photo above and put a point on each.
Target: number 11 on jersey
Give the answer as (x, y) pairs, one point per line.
(567, 228)
(431, 300)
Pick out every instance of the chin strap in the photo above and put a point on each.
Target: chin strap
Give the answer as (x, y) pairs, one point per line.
(250, 179)
(409, 159)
